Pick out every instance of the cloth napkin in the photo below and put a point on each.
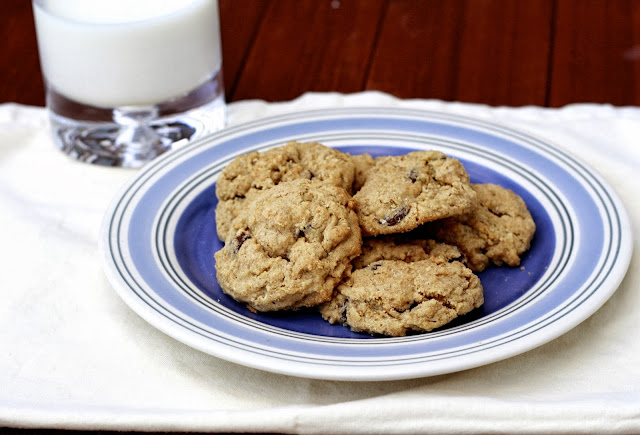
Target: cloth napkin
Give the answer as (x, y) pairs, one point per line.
(74, 356)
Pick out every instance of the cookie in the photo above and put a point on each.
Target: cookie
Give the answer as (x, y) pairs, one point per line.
(363, 163)
(402, 192)
(227, 211)
(394, 297)
(290, 246)
(498, 231)
(403, 249)
(257, 171)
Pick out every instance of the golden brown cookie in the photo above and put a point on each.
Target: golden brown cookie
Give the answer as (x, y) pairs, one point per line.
(402, 192)
(398, 247)
(254, 172)
(394, 297)
(290, 246)
(363, 163)
(499, 230)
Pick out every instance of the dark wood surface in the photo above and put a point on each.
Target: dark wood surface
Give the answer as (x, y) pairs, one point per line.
(497, 52)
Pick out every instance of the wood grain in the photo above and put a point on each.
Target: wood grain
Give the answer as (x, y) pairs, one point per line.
(490, 51)
(309, 45)
(497, 52)
(417, 51)
(239, 20)
(20, 77)
(596, 52)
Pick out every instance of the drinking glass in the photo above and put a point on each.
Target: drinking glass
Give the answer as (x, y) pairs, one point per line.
(127, 80)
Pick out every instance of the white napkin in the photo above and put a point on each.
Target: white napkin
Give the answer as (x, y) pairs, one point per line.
(73, 355)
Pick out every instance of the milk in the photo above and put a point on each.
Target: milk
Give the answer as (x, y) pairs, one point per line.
(111, 53)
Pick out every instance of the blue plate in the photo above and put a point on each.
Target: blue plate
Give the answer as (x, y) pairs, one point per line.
(158, 241)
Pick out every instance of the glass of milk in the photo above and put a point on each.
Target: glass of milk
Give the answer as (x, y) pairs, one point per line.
(128, 80)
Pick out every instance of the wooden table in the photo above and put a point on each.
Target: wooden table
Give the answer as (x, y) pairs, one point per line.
(496, 52)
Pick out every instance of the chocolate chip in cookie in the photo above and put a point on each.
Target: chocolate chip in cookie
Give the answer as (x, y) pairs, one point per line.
(290, 246)
(402, 192)
(253, 172)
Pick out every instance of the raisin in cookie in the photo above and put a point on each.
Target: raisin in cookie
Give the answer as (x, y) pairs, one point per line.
(393, 297)
(499, 230)
(290, 246)
(402, 192)
(253, 172)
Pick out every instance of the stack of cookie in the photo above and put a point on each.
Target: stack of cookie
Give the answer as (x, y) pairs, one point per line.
(385, 246)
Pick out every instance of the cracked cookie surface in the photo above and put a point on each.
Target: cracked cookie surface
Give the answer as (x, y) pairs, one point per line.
(395, 297)
(499, 230)
(290, 246)
(402, 192)
(399, 247)
(253, 172)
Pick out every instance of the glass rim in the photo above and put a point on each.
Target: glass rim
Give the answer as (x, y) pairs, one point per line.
(44, 8)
